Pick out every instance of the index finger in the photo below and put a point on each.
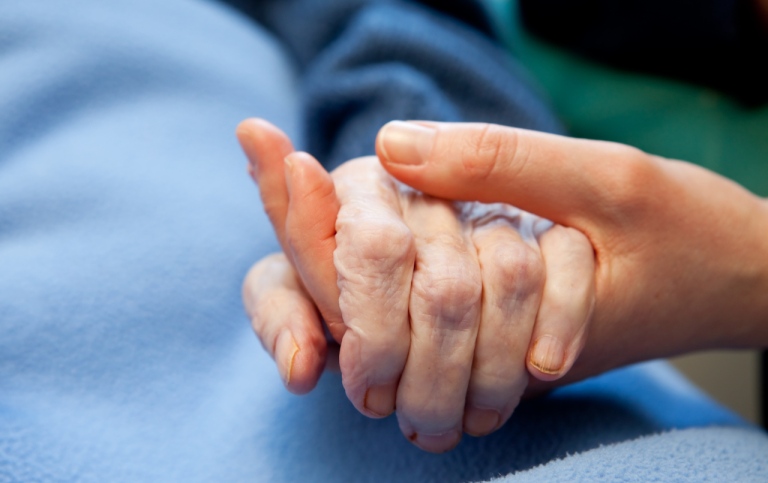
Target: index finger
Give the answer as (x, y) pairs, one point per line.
(266, 147)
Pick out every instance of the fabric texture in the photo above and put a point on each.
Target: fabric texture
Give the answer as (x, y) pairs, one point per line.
(127, 223)
(366, 62)
(693, 455)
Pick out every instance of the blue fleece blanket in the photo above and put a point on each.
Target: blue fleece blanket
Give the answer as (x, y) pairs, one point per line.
(127, 223)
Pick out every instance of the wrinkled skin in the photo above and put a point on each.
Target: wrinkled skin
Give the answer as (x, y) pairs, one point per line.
(442, 309)
(681, 253)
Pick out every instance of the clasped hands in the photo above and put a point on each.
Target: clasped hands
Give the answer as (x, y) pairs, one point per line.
(446, 310)
(441, 308)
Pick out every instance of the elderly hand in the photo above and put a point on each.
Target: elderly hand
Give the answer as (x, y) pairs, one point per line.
(438, 306)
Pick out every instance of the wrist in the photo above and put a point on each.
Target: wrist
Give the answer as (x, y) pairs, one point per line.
(757, 311)
(763, 296)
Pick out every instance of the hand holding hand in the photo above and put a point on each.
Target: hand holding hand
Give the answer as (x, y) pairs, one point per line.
(681, 253)
(438, 302)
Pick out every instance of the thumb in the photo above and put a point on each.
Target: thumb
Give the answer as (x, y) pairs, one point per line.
(573, 182)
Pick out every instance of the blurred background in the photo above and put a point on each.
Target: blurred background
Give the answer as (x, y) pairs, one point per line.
(731, 377)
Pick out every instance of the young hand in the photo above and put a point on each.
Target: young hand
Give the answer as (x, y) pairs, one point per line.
(681, 253)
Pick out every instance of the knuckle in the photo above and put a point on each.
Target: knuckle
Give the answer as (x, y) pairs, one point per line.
(629, 181)
(315, 191)
(267, 289)
(425, 411)
(517, 266)
(462, 291)
(271, 267)
(495, 383)
(386, 243)
(450, 291)
(570, 235)
(485, 151)
(567, 240)
(578, 242)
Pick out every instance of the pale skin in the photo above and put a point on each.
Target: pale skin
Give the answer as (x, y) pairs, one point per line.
(681, 253)
(442, 309)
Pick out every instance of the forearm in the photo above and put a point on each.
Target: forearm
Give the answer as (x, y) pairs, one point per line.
(761, 324)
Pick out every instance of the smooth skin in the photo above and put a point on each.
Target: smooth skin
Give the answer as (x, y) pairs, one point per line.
(441, 308)
(681, 252)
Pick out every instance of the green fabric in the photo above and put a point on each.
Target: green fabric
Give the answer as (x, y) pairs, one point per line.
(659, 116)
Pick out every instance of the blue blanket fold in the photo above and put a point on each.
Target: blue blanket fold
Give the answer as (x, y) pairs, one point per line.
(366, 62)
(127, 222)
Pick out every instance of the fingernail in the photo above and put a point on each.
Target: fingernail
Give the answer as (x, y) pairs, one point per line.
(548, 354)
(285, 354)
(436, 443)
(479, 422)
(380, 400)
(406, 143)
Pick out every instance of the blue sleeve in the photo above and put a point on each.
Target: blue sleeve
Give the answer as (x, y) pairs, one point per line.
(366, 62)
(717, 43)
